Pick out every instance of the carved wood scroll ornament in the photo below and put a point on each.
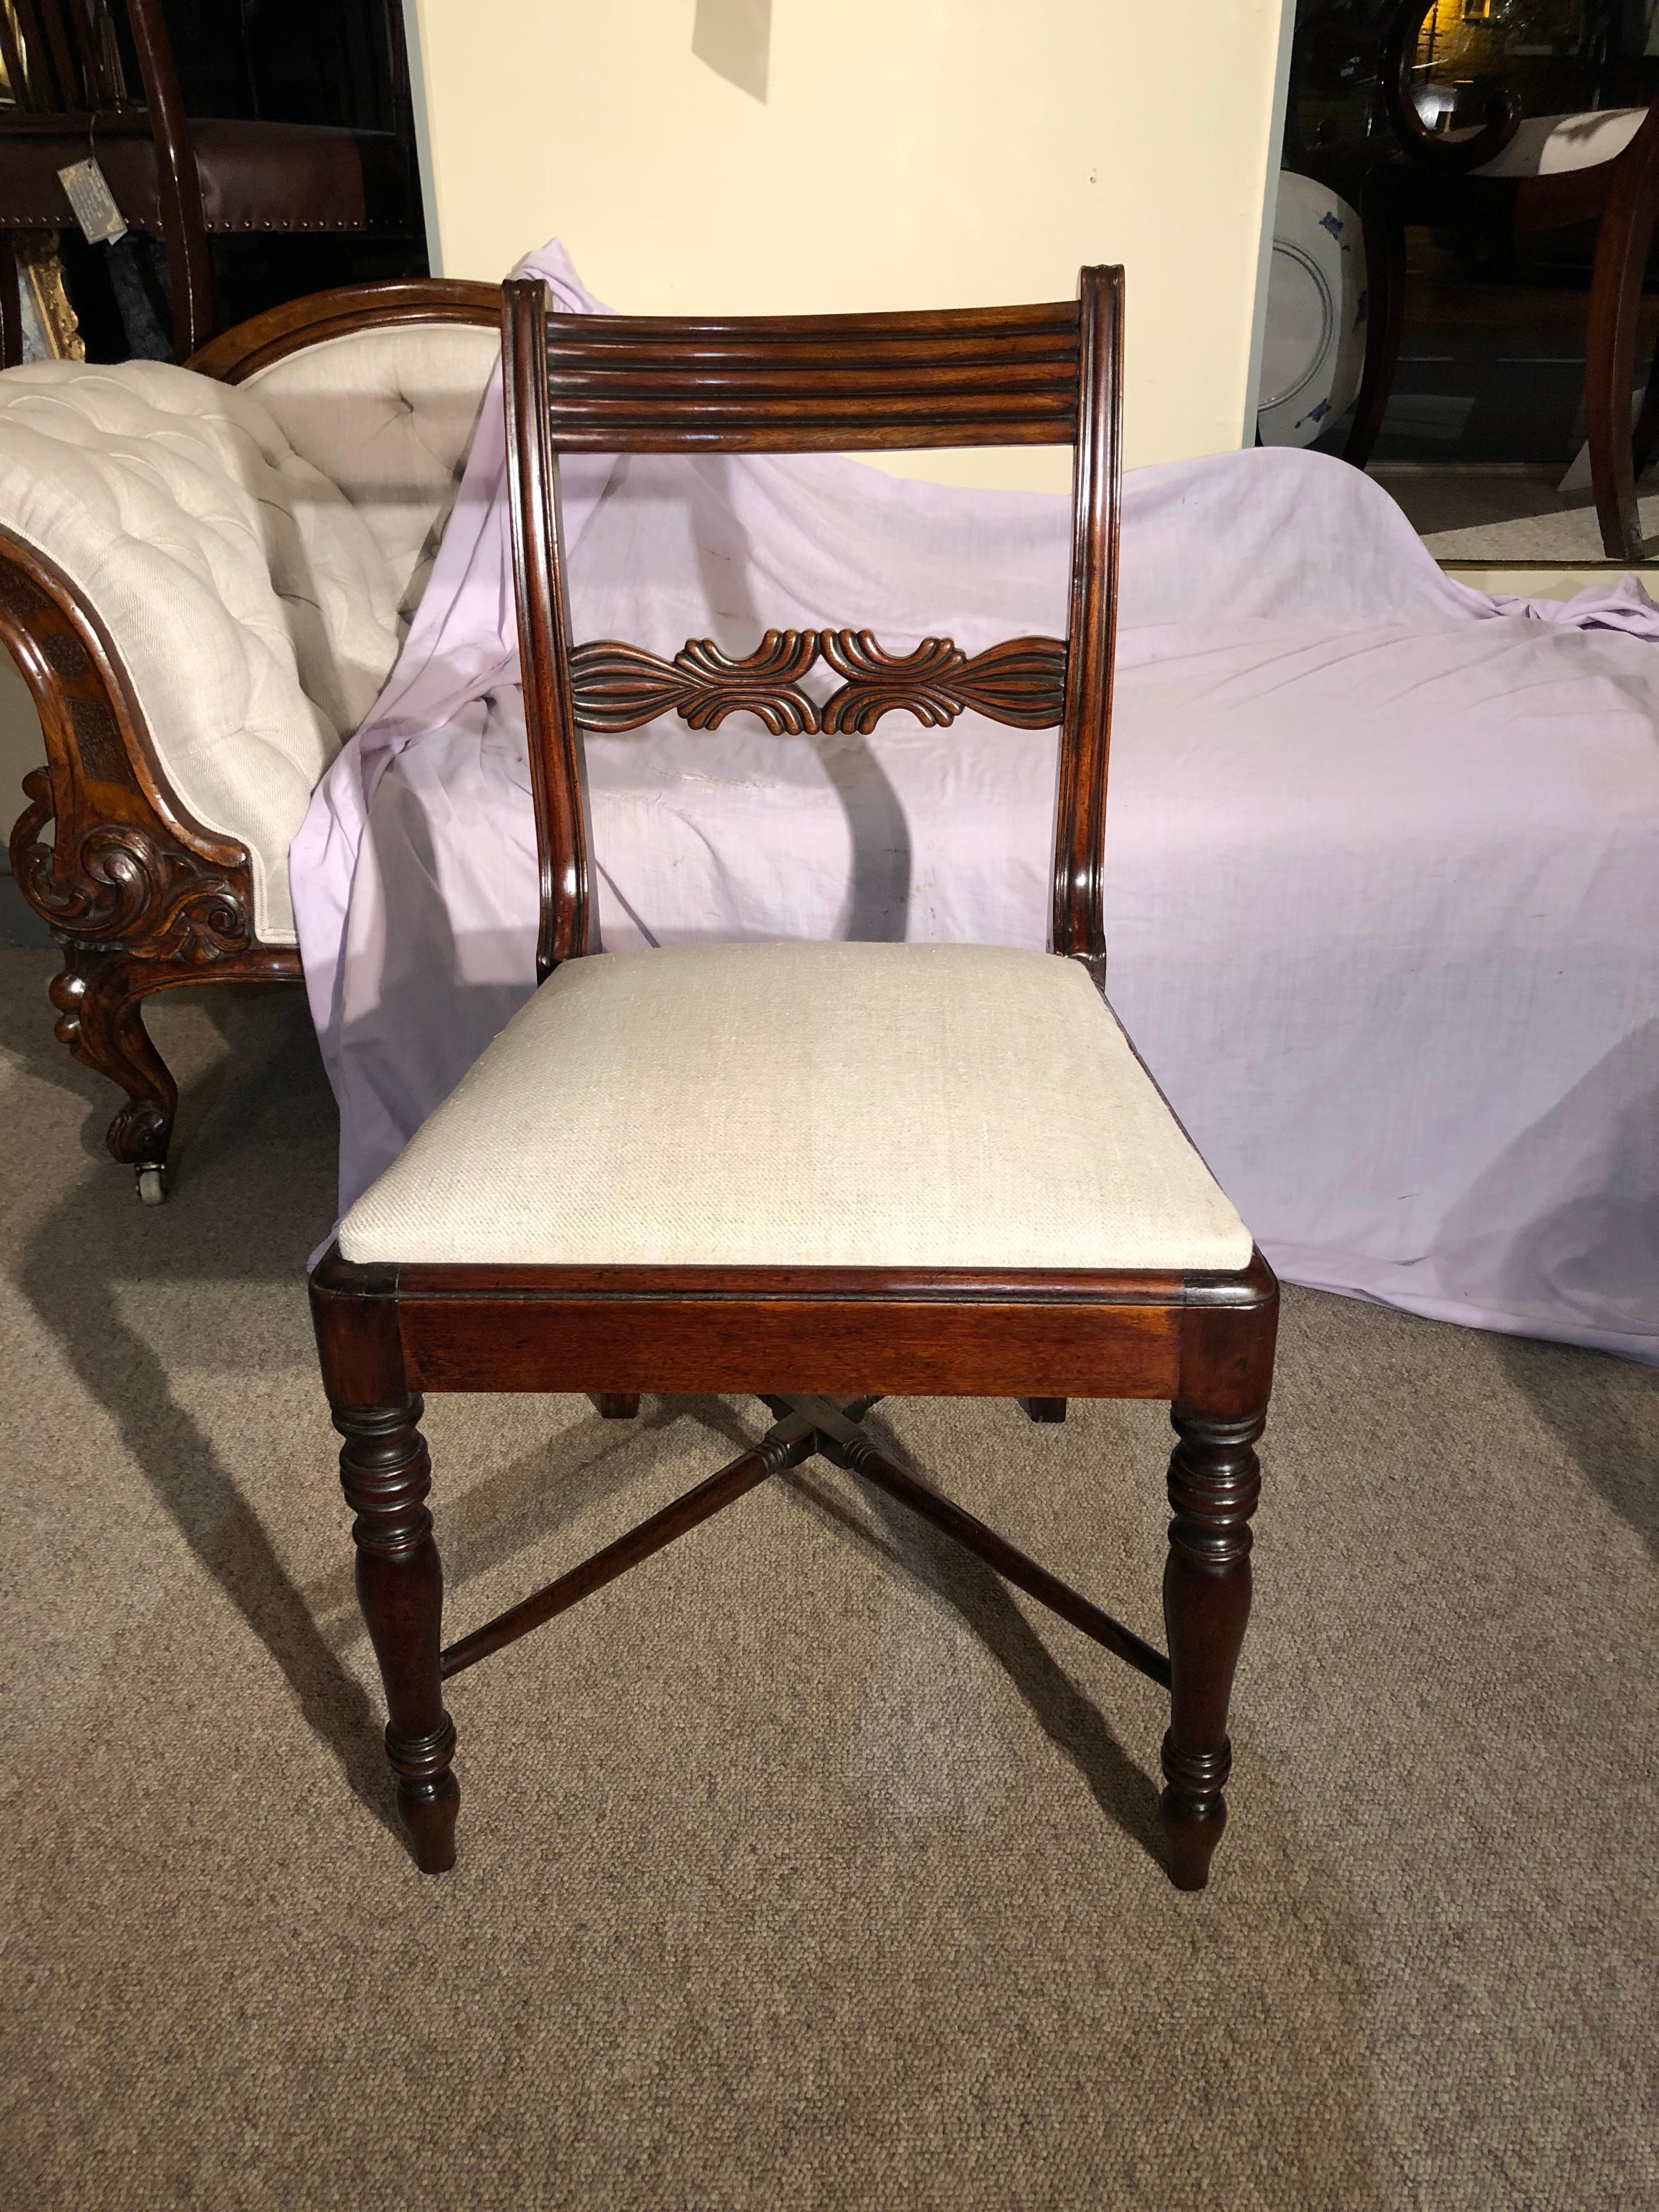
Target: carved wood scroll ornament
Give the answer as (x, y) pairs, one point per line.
(127, 888)
(618, 687)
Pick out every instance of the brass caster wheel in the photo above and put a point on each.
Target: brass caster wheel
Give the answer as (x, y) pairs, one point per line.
(152, 1178)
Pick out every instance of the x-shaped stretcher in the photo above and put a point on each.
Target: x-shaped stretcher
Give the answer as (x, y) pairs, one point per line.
(806, 1427)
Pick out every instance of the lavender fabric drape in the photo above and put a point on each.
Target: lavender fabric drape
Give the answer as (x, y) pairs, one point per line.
(1382, 861)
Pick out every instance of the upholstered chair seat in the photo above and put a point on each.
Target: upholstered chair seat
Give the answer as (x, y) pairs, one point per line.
(805, 1106)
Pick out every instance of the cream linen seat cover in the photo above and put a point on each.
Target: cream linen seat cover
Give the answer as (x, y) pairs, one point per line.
(805, 1105)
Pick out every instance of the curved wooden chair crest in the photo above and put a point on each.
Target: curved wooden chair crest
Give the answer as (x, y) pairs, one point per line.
(1518, 175)
(817, 1174)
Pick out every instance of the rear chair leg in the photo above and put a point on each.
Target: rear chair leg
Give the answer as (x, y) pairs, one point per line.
(386, 1474)
(1621, 252)
(614, 1405)
(1044, 1409)
(1214, 1481)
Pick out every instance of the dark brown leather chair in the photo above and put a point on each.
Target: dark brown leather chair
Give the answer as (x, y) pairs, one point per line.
(71, 65)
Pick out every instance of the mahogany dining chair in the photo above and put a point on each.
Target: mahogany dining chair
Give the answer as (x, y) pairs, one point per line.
(686, 1171)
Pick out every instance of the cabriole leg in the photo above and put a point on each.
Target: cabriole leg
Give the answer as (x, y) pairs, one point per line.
(1214, 1481)
(99, 996)
(387, 1476)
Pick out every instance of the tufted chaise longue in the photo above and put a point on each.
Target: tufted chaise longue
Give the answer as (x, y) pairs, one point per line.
(205, 574)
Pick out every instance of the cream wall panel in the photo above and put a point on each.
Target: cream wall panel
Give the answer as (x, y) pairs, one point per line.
(905, 153)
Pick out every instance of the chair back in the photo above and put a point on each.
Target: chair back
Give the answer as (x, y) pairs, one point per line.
(998, 376)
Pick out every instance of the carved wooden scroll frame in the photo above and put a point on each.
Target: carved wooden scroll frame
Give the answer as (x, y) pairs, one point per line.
(616, 687)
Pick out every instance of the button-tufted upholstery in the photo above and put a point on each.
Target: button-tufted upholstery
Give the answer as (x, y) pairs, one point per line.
(252, 551)
(387, 416)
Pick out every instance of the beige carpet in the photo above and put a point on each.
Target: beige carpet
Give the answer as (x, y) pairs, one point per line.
(804, 1868)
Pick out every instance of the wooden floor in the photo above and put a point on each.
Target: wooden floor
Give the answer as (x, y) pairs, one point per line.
(1503, 513)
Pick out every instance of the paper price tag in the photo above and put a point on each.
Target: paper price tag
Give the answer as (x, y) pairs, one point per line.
(87, 189)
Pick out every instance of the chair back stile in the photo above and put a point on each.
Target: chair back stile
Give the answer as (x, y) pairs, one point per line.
(568, 923)
(1079, 922)
(1038, 376)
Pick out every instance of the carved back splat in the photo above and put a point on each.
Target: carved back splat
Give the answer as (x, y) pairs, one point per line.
(1039, 375)
(618, 687)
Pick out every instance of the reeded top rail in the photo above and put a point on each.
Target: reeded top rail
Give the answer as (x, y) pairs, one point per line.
(1002, 376)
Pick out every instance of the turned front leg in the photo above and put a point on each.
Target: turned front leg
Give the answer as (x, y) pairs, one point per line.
(387, 1476)
(1214, 1481)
